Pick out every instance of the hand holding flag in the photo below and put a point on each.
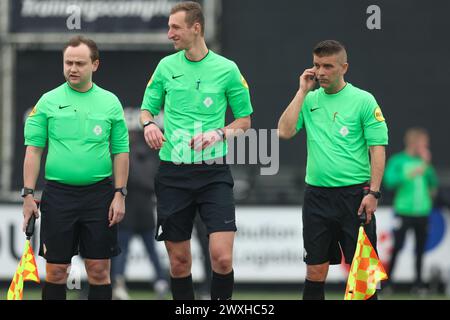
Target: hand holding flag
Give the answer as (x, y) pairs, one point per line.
(27, 268)
(366, 270)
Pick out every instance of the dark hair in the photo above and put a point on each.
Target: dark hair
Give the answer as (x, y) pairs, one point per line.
(328, 48)
(76, 41)
(194, 13)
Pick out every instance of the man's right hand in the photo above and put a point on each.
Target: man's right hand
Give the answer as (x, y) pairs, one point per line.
(308, 80)
(29, 209)
(425, 154)
(154, 137)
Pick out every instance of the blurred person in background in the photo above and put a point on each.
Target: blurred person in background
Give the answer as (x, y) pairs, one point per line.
(195, 86)
(140, 218)
(343, 124)
(411, 175)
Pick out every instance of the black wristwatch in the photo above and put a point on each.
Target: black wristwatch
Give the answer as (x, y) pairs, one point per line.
(376, 194)
(147, 123)
(26, 191)
(122, 190)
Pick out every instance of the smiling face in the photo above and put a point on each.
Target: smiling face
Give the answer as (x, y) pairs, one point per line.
(330, 71)
(78, 67)
(182, 35)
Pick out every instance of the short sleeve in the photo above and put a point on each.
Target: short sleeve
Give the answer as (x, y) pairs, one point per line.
(238, 94)
(36, 125)
(374, 124)
(301, 118)
(155, 93)
(119, 130)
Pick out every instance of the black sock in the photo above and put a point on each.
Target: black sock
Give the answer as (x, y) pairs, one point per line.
(182, 288)
(53, 291)
(222, 286)
(314, 290)
(100, 292)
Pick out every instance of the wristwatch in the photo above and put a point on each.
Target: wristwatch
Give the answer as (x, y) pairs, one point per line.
(122, 190)
(147, 123)
(26, 191)
(376, 194)
(221, 133)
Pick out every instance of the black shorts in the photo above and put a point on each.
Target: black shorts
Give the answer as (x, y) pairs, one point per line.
(75, 220)
(183, 190)
(330, 223)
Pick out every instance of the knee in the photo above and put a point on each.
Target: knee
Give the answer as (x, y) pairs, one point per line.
(316, 273)
(56, 273)
(180, 265)
(222, 263)
(98, 273)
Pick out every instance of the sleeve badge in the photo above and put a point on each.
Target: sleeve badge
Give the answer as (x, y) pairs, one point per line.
(379, 115)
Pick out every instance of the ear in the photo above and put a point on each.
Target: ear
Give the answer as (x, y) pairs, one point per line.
(95, 65)
(344, 68)
(197, 28)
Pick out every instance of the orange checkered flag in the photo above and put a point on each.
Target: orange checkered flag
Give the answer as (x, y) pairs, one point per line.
(366, 270)
(27, 268)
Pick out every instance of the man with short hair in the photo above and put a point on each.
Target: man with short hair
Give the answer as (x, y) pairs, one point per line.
(342, 124)
(83, 125)
(412, 176)
(195, 85)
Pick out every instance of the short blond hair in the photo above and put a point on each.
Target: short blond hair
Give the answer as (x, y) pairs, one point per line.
(413, 133)
(194, 13)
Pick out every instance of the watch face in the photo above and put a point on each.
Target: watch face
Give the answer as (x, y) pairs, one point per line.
(123, 191)
(26, 191)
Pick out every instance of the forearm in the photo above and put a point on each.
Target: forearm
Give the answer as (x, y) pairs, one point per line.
(237, 127)
(31, 166)
(146, 116)
(288, 121)
(121, 167)
(378, 158)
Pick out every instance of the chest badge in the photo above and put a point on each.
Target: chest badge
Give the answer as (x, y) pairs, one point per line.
(97, 130)
(208, 102)
(344, 131)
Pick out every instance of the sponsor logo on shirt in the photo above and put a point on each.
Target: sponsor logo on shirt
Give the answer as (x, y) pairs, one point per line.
(379, 115)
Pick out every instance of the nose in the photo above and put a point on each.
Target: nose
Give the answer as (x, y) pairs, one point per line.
(319, 71)
(170, 34)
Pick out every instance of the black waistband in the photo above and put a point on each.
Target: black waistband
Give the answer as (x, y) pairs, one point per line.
(353, 186)
(60, 185)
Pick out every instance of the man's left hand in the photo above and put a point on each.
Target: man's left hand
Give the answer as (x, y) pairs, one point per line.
(203, 140)
(368, 204)
(116, 209)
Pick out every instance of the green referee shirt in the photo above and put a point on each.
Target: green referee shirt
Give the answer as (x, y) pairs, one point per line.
(195, 96)
(82, 130)
(413, 193)
(340, 128)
